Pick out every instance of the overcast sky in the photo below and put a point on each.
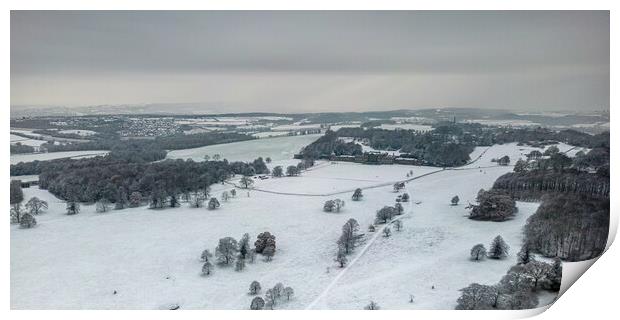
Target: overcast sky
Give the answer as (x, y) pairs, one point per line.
(312, 61)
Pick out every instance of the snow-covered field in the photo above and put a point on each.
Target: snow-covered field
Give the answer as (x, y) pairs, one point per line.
(25, 141)
(406, 126)
(83, 133)
(151, 257)
(268, 134)
(278, 148)
(17, 158)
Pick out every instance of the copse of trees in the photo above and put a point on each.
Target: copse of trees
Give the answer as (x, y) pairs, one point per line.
(21, 148)
(334, 205)
(516, 290)
(493, 205)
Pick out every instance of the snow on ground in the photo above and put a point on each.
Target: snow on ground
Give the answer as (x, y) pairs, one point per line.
(279, 148)
(25, 141)
(336, 127)
(26, 178)
(26, 131)
(290, 127)
(151, 257)
(406, 126)
(267, 134)
(17, 158)
(83, 133)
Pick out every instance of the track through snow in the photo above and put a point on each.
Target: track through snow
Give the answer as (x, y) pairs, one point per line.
(359, 255)
(380, 231)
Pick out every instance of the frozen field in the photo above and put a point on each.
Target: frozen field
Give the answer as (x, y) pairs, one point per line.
(151, 257)
(278, 148)
(25, 141)
(406, 126)
(17, 158)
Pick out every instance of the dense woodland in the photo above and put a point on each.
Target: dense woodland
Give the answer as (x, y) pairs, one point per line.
(173, 142)
(438, 148)
(132, 167)
(572, 222)
(572, 227)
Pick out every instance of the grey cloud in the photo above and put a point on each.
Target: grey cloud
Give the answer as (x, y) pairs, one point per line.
(558, 51)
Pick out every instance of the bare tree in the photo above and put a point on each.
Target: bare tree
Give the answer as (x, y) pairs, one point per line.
(36, 206)
(341, 258)
(288, 293)
(372, 306)
(349, 237)
(398, 225)
(246, 182)
(387, 232)
(103, 205)
(226, 250)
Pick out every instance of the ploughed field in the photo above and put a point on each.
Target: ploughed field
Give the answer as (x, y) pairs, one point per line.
(151, 258)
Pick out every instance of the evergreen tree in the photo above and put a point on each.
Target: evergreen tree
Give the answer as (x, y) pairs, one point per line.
(244, 245)
(524, 256)
(498, 248)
